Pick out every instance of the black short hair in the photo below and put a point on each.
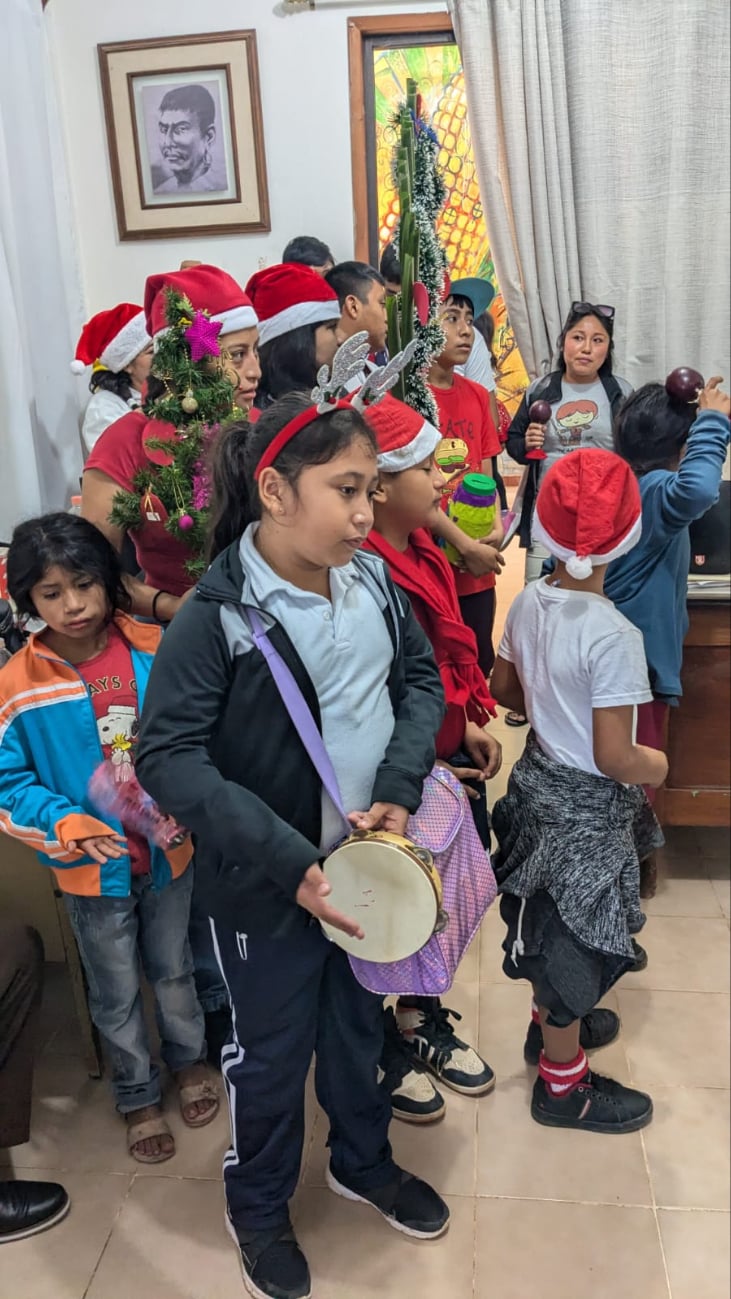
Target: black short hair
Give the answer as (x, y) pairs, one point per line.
(459, 300)
(70, 542)
(579, 312)
(651, 428)
(117, 381)
(196, 99)
(353, 278)
(390, 266)
(307, 251)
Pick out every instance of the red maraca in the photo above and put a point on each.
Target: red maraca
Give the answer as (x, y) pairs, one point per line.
(684, 384)
(538, 413)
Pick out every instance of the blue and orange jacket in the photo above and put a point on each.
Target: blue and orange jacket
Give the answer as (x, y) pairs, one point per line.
(49, 749)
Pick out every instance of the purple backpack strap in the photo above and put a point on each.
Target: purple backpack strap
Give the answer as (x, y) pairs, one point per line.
(296, 705)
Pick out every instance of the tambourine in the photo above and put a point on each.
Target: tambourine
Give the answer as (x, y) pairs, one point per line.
(392, 888)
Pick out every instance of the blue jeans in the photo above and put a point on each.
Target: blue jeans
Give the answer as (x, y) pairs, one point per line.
(115, 936)
(209, 984)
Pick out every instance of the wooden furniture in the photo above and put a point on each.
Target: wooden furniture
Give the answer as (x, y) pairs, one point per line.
(698, 788)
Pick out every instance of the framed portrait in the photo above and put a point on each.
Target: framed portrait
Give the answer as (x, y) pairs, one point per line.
(185, 135)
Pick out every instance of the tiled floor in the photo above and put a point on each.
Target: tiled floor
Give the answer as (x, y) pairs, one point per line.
(562, 1215)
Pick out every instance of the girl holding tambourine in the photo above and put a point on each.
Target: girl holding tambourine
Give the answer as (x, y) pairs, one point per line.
(292, 507)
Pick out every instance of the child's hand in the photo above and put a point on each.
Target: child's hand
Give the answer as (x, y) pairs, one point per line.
(463, 774)
(480, 558)
(382, 816)
(713, 398)
(101, 847)
(311, 895)
(484, 749)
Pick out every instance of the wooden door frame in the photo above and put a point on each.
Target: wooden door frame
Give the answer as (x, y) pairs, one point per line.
(359, 29)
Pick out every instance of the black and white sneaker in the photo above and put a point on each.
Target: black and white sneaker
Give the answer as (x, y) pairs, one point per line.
(272, 1263)
(414, 1098)
(596, 1105)
(408, 1204)
(430, 1037)
(598, 1029)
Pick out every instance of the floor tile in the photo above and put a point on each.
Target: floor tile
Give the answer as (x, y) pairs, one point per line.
(59, 1263)
(566, 1251)
(683, 889)
(169, 1242)
(687, 954)
(687, 1147)
(353, 1254)
(678, 1038)
(520, 1158)
(697, 1253)
(491, 952)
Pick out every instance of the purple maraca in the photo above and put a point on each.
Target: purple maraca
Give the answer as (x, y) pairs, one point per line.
(538, 413)
(684, 384)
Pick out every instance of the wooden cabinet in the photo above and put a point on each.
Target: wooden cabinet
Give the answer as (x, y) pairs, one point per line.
(698, 788)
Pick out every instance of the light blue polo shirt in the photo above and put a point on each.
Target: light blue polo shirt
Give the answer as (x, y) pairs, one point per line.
(345, 646)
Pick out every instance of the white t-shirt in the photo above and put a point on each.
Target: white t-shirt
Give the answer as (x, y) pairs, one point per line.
(582, 418)
(105, 408)
(573, 652)
(478, 366)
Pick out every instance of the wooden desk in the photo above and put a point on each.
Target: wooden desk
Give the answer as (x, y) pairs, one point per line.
(698, 788)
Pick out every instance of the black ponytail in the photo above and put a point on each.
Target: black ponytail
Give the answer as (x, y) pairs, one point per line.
(235, 501)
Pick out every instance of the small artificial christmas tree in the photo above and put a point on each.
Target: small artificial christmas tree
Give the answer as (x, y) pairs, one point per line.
(422, 194)
(185, 419)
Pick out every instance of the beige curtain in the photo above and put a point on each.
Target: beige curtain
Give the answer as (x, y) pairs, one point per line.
(601, 135)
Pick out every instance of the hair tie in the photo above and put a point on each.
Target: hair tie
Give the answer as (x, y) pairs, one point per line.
(684, 384)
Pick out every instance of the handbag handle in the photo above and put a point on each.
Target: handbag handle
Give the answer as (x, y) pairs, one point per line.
(301, 716)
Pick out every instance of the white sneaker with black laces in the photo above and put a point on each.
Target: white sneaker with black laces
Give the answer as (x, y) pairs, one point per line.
(414, 1098)
(430, 1038)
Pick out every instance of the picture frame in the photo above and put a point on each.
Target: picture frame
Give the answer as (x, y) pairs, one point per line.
(185, 135)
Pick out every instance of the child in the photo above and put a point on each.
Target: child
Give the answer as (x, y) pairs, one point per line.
(407, 499)
(220, 753)
(575, 821)
(118, 348)
(362, 296)
(677, 454)
(466, 423)
(70, 697)
(299, 317)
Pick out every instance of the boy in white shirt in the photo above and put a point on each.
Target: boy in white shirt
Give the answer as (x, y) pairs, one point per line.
(575, 822)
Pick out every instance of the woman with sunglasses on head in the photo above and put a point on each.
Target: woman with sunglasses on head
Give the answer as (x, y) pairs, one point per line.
(584, 396)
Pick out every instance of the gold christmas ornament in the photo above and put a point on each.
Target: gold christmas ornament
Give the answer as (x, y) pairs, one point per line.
(189, 403)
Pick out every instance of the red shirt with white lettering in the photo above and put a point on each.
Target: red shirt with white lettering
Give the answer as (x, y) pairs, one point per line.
(110, 680)
(468, 438)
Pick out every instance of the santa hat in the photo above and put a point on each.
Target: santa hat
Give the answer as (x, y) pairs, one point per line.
(588, 510)
(111, 339)
(404, 438)
(288, 296)
(207, 289)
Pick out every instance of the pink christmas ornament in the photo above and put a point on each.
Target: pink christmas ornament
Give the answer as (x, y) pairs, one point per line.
(185, 523)
(202, 335)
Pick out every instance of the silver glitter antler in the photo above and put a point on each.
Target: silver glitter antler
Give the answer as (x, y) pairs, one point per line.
(383, 378)
(348, 361)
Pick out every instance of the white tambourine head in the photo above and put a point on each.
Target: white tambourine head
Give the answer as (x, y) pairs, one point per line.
(392, 899)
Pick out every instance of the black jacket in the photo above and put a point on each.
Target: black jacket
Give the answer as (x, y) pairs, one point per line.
(218, 751)
(547, 389)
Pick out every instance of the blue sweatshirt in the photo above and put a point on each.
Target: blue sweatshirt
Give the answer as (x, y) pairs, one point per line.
(650, 584)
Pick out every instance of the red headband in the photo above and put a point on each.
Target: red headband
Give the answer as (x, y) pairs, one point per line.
(290, 430)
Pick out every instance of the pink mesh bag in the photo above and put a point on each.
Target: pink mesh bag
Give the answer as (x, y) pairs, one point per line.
(444, 825)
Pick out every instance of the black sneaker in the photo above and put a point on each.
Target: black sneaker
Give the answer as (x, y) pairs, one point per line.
(414, 1098)
(598, 1028)
(272, 1263)
(432, 1040)
(596, 1105)
(640, 958)
(408, 1204)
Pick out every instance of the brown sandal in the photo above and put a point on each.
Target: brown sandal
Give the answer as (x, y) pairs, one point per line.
(144, 1131)
(193, 1093)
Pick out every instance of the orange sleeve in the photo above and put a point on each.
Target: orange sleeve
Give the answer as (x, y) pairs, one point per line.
(77, 826)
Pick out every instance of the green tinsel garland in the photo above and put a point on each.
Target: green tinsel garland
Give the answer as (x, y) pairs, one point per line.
(196, 400)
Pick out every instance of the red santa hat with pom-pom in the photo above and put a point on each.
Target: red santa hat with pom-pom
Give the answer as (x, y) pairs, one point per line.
(111, 339)
(404, 438)
(588, 511)
(208, 289)
(289, 295)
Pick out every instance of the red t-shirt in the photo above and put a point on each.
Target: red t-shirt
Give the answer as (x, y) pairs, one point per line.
(113, 690)
(468, 438)
(120, 454)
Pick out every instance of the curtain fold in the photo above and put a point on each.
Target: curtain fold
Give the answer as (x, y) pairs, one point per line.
(601, 138)
(40, 293)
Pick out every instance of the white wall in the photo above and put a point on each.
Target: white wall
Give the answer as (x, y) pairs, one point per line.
(303, 65)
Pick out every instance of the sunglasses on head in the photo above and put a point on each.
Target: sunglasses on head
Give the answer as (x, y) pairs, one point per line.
(593, 308)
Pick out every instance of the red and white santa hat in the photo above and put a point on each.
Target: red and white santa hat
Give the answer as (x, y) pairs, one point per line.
(289, 295)
(111, 339)
(404, 438)
(588, 510)
(207, 288)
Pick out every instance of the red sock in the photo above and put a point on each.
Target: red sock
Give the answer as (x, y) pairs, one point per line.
(534, 1011)
(561, 1079)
